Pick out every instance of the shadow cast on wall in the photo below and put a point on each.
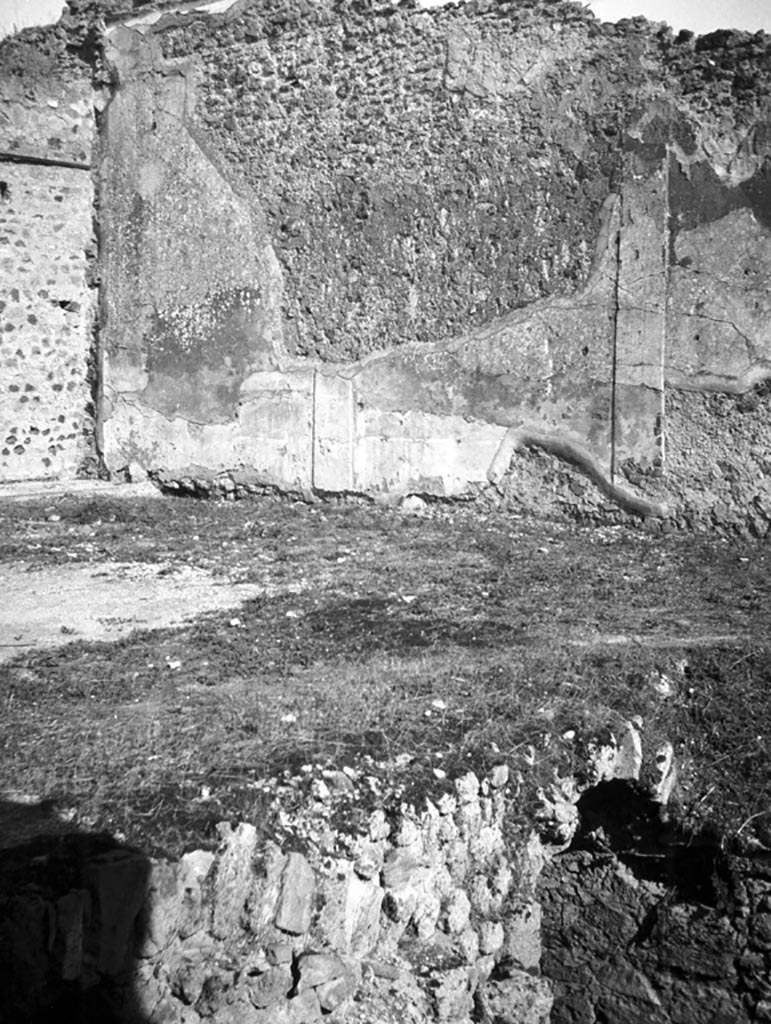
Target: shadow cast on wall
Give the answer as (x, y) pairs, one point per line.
(70, 920)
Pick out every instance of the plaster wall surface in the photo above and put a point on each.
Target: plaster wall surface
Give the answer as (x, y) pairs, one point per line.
(191, 286)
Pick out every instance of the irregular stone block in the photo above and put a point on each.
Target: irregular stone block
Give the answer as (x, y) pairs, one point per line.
(369, 860)
(447, 805)
(362, 915)
(479, 894)
(467, 788)
(193, 871)
(159, 920)
(401, 868)
(146, 989)
(332, 994)
(304, 1008)
(293, 914)
(408, 833)
(457, 858)
(760, 930)
(469, 821)
(468, 945)
(378, 826)
(279, 953)
(271, 987)
(629, 757)
(349, 920)
(519, 999)
(117, 882)
(399, 905)
(71, 911)
(266, 889)
(216, 992)
(522, 944)
(484, 841)
(426, 914)
(452, 991)
(233, 879)
(457, 912)
(490, 937)
(189, 974)
(318, 968)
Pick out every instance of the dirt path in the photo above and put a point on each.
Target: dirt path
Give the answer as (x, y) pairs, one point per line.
(44, 608)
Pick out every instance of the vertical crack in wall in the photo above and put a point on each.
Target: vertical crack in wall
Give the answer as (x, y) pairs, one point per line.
(95, 369)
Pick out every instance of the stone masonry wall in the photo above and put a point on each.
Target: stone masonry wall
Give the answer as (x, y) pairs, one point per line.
(401, 908)
(47, 259)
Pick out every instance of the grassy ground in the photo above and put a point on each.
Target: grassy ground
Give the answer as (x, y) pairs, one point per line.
(458, 637)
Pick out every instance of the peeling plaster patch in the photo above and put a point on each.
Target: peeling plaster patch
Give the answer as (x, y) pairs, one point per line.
(194, 289)
(418, 452)
(214, 7)
(698, 196)
(720, 319)
(200, 354)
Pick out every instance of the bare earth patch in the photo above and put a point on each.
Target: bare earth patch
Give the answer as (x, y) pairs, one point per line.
(45, 608)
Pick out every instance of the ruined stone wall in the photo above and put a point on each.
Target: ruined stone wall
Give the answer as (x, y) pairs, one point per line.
(352, 900)
(398, 906)
(47, 256)
(356, 247)
(476, 232)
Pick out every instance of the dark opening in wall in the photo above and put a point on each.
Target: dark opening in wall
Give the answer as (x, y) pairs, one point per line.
(620, 817)
(5, 192)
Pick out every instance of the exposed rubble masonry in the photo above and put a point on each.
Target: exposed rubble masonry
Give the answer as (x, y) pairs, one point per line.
(47, 252)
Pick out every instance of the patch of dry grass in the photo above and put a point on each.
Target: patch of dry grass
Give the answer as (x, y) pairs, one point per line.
(459, 639)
